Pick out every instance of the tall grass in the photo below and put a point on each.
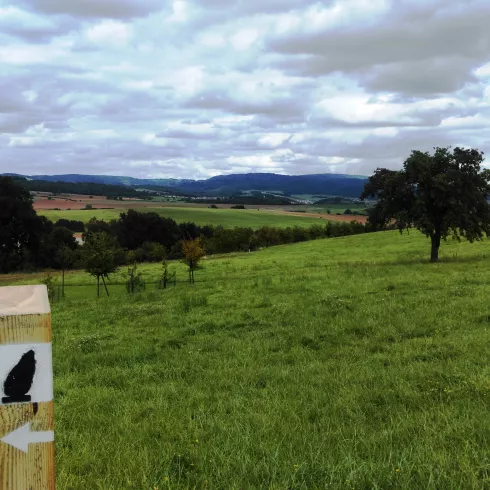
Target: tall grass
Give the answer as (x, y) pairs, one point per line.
(342, 363)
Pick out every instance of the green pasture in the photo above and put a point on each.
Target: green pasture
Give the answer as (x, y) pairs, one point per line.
(346, 363)
(228, 218)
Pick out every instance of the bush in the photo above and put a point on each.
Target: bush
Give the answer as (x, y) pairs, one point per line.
(134, 282)
(238, 206)
(150, 252)
(50, 282)
(76, 226)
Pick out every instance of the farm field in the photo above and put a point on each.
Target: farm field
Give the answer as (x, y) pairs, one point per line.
(200, 216)
(72, 203)
(337, 208)
(340, 363)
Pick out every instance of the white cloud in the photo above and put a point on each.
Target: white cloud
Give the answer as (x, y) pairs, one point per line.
(272, 140)
(244, 38)
(23, 54)
(180, 11)
(188, 88)
(110, 33)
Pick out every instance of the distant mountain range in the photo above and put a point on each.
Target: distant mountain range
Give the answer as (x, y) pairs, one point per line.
(226, 185)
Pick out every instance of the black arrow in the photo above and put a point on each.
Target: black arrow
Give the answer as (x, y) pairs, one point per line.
(19, 380)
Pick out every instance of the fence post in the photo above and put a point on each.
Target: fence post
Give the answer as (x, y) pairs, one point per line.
(26, 389)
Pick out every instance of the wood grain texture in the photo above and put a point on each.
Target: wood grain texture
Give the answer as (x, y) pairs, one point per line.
(18, 414)
(25, 329)
(33, 470)
(27, 471)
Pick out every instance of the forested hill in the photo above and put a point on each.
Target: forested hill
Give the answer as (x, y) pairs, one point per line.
(334, 184)
(331, 184)
(88, 188)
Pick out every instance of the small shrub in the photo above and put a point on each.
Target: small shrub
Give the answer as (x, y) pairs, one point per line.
(50, 282)
(134, 282)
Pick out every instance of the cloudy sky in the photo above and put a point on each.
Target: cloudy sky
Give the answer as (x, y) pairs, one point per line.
(196, 88)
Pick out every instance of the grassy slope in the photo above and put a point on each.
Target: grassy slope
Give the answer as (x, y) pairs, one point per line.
(200, 216)
(342, 363)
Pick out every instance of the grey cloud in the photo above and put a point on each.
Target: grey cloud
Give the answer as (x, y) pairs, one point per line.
(412, 51)
(385, 151)
(115, 9)
(182, 134)
(214, 12)
(290, 108)
(33, 34)
(426, 77)
(92, 113)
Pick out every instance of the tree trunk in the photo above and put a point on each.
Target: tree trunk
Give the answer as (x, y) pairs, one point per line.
(103, 280)
(435, 244)
(63, 283)
(98, 286)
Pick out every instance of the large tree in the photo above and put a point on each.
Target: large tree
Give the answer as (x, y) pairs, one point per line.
(441, 195)
(21, 229)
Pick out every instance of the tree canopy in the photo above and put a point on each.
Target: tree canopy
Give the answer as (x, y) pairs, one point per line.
(444, 194)
(21, 229)
(193, 252)
(100, 255)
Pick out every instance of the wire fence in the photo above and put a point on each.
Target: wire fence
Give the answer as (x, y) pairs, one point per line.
(58, 293)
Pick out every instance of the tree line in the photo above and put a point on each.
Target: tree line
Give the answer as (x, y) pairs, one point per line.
(151, 236)
(30, 242)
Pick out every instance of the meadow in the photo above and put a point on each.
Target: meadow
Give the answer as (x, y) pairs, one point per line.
(346, 363)
(227, 218)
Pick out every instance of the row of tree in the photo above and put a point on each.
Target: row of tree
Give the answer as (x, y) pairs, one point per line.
(29, 241)
(152, 236)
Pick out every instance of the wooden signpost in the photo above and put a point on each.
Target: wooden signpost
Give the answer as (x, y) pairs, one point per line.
(26, 390)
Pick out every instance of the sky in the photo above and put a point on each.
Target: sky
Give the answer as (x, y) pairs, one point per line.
(198, 88)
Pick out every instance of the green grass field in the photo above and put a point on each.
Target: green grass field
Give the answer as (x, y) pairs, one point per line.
(201, 216)
(349, 363)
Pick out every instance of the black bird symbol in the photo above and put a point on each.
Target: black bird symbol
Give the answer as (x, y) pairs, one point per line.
(19, 380)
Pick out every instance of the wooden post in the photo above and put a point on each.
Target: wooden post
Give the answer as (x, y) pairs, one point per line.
(26, 390)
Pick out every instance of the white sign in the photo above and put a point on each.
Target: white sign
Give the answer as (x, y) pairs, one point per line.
(26, 373)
